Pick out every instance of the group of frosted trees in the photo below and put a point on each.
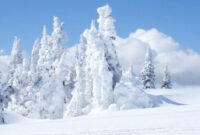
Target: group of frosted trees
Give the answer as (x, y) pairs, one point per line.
(147, 76)
(48, 84)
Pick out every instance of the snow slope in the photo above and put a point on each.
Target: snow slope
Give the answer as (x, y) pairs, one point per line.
(165, 120)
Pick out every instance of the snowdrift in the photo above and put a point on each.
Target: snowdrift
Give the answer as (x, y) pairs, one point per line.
(165, 120)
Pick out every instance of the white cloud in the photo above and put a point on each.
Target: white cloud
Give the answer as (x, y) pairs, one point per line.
(1, 52)
(184, 64)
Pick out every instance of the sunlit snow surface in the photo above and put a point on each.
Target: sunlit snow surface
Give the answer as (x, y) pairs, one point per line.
(169, 119)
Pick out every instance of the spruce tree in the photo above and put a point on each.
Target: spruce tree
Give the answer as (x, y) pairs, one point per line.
(34, 60)
(106, 28)
(18, 77)
(78, 102)
(5, 93)
(16, 59)
(166, 82)
(50, 88)
(147, 76)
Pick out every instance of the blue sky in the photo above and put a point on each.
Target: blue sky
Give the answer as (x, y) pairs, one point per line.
(25, 19)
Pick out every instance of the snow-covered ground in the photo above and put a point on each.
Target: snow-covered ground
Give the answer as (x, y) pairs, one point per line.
(169, 119)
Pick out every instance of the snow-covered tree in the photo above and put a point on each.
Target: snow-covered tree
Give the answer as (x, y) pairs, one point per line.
(45, 60)
(21, 80)
(5, 92)
(108, 33)
(58, 37)
(16, 59)
(106, 22)
(17, 63)
(34, 59)
(147, 76)
(16, 53)
(51, 97)
(102, 68)
(100, 78)
(18, 76)
(166, 82)
(66, 75)
(78, 102)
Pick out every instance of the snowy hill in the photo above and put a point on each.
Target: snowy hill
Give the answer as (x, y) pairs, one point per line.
(166, 120)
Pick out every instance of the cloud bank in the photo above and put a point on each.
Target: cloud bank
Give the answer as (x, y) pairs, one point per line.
(184, 64)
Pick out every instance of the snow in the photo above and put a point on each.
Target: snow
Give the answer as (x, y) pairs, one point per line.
(89, 79)
(169, 119)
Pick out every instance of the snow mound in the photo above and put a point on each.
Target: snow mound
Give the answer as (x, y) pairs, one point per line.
(129, 94)
(11, 117)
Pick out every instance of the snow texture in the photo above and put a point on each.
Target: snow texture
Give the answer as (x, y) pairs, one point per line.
(165, 120)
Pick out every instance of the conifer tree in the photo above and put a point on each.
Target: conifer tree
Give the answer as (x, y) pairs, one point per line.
(166, 82)
(34, 59)
(16, 59)
(147, 76)
(78, 102)
(51, 90)
(107, 30)
(18, 76)
(5, 92)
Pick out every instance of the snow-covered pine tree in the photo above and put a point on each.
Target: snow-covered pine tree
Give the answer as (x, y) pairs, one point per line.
(44, 61)
(18, 77)
(16, 53)
(106, 22)
(16, 59)
(58, 37)
(30, 89)
(66, 75)
(147, 76)
(107, 30)
(102, 66)
(78, 102)
(99, 78)
(166, 82)
(51, 97)
(5, 92)
(34, 62)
